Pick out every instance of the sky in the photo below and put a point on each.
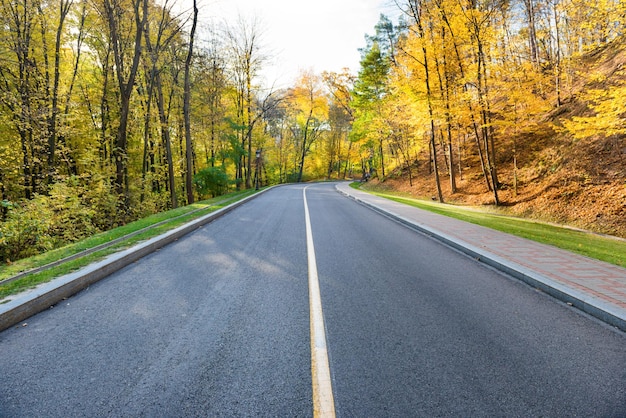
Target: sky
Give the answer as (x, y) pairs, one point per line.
(317, 35)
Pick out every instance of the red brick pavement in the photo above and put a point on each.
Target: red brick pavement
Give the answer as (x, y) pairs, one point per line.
(596, 280)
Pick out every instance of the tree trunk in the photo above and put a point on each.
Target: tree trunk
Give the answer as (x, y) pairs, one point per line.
(64, 8)
(557, 71)
(249, 126)
(529, 6)
(475, 129)
(382, 157)
(126, 83)
(417, 15)
(145, 163)
(187, 110)
(482, 86)
(444, 87)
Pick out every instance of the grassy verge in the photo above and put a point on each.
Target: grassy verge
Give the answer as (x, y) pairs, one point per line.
(149, 227)
(596, 246)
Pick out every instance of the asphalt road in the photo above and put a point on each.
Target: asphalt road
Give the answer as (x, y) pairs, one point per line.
(217, 324)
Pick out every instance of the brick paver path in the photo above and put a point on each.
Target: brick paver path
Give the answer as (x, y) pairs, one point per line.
(589, 284)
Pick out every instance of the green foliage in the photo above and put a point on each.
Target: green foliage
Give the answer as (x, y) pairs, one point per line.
(371, 86)
(26, 230)
(97, 194)
(211, 180)
(71, 211)
(72, 220)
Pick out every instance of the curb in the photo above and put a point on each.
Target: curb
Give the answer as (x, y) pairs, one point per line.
(49, 294)
(592, 306)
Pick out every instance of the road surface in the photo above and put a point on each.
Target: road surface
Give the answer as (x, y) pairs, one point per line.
(218, 324)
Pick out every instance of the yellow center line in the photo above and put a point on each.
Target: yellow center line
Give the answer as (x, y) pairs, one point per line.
(323, 401)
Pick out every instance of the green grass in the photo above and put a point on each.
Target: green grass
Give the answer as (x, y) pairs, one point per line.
(592, 245)
(153, 225)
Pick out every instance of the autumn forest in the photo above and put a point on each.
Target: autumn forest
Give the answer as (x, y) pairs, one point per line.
(112, 110)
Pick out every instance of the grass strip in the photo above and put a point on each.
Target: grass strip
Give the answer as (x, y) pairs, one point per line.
(154, 225)
(600, 247)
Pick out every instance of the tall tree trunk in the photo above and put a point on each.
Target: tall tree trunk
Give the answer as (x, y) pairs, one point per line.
(147, 148)
(26, 170)
(488, 141)
(80, 37)
(474, 124)
(557, 70)
(167, 140)
(416, 10)
(249, 126)
(490, 134)
(303, 150)
(531, 14)
(20, 23)
(381, 152)
(243, 43)
(105, 122)
(163, 110)
(64, 8)
(3, 208)
(126, 83)
(483, 98)
(187, 110)
(444, 87)
(345, 171)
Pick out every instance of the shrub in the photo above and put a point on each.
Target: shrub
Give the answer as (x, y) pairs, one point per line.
(72, 220)
(26, 231)
(97, 194)
(50, 221)
(211, 180)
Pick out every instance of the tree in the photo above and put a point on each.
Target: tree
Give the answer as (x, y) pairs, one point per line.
(113, 13)
(478, 19)
(368, 97)
(168, 30)
(308, 113)
(20, 89)
(340, 117)
(245, 62)
(416, 12)
(64, 8)
(187, 111)
(215, 74)
(451, 15)
(530, 7)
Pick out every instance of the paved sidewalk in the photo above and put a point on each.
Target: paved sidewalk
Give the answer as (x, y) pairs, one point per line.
(595, 287)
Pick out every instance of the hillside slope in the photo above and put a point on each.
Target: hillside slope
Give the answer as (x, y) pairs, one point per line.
(579, 182)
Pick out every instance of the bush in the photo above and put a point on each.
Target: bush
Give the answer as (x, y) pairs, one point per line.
(211, 180)
(26, 231)
(97, 194)
(72, 220)
(43, 223)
